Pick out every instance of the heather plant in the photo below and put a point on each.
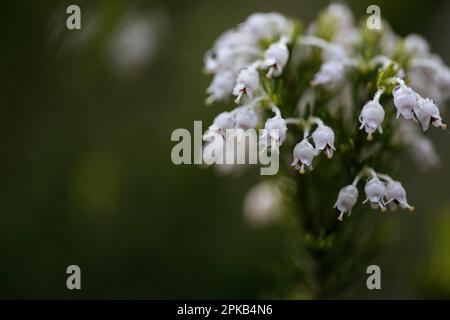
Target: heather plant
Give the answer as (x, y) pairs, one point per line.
(340, 104)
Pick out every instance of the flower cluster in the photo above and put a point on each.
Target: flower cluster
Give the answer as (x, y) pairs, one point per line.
(312, 88)
(239, 53)
(304, 151)
(380, 191)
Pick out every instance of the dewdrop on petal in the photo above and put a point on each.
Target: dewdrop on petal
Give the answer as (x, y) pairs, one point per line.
(323, 138)
(405, 101)
(346, 200)
(275, 58)
(331, 72)
(247, 83)
(375, 190)
(396, 195)
(304, 154)
(428, 113)
(372, 115)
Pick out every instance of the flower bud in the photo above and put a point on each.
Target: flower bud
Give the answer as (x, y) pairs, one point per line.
(304, 153)
(347, 198)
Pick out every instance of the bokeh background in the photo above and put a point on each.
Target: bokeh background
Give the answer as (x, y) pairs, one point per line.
(85, 170)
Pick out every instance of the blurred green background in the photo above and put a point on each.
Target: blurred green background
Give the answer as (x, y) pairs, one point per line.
(85, 170)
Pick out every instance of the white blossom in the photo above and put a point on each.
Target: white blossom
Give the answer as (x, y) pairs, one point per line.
(323, 138)
(303, 154)
(246, 117)
(275, 128)
(405, 100)
(396, 195)
(275, 58)
(213, 151)
(346, 200)
(428, 113)
(265, 25)
(222, 122)
(262, 204)
(247, 83)
(375, 191)
(221, 87)
(424, 152)
(416, 45)
(330, 73)
(372, 115)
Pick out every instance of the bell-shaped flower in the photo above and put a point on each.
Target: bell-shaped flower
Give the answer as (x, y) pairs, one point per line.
(405, 100)
(375, 191)
(330, 73)
(275, 58)
(303, 154)
(222, 122)
(247, 83)
(428, 113)
(214, 150)
(265, 25)
(221, 86)
(371, 117)
(246, 118)
(347, 198)
(323, 138)
(396, 196)
(275, 128)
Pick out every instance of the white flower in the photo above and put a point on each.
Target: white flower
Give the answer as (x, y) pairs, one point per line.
(347, 198)
(396, 195)
(247, 83)
(429, 113)
(265, 25)
(231, 52)
(304, 153)
(323, 138)
(424, 152)
(221, 87)
(262, 204)
(330, 73)
(405, 100)
(442, 80)
(275, 128)
(372, 115)
(375, 191)
(416, 45)
(275, 58)
(213, 151)
(222, 122)
(246, 117)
